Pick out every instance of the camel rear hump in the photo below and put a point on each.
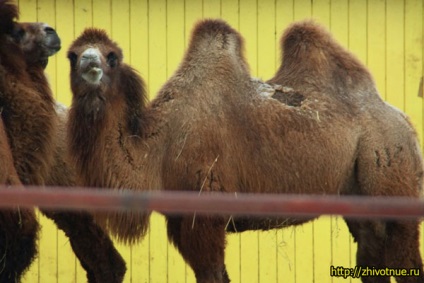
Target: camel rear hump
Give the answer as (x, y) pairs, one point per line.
(313, 60)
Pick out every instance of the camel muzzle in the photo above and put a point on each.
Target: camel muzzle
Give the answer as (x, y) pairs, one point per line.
(90, 64)
(52, 40)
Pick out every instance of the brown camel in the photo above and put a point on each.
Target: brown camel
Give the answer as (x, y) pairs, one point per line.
(210, 130)
(18, 227)
(32, 138)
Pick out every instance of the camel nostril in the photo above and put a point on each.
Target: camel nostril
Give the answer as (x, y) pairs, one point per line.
(91, 55)
(49, 30)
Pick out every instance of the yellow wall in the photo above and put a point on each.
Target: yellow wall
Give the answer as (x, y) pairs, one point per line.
(387, 35)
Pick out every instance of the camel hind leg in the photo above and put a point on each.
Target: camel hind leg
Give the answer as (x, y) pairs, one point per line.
(385, 169)
(387, 244)
(201, 242)
(403, 249)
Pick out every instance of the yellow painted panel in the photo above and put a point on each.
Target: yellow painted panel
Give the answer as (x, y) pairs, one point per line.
(65, 28)
(339, 21)
(121, 22)
(266, 33)
(211, 9)
(284, 15)
(321, 12)
(248, 28)
(376, 30)
(414, 63)
(230, 12)
(103, 15)
(83, 16)
(286, 255)
(174, 35)
(46, 13)
(249, 258)
(27, 10)
(48, 248)
(158, 250)
(67, 263)
(193, 13)
(139, 34)
(304, 258)
(139, 266)
(340, 242)
(302, 9)
(321, 244)
(395, 53)
(357, 34)
(233, 257)
(157, 40)
(268, 256)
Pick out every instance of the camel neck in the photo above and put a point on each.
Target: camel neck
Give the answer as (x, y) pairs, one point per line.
(30, 120)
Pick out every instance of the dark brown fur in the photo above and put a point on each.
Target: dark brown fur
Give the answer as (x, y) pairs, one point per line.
(32, 142)
(208, 130)
(8, 174)
(19, 227)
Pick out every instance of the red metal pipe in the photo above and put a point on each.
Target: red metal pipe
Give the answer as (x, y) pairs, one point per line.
(230, 204)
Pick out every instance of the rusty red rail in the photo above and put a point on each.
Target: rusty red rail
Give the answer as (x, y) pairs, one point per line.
(185, 202)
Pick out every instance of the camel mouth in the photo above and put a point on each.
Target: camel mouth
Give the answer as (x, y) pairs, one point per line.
(52, 43)
(93, 75)
(53, 48)
(90, 66)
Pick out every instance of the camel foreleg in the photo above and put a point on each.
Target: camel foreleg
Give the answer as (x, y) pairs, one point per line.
(92, 246)
(201, 241)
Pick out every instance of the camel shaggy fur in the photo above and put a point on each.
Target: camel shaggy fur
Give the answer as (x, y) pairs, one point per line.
(210, 130)
(18, 227)
(32, 144)
(8, 174)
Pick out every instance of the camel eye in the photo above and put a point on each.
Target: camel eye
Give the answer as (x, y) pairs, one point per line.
(73, 59)
(18, 34)
(112, 59)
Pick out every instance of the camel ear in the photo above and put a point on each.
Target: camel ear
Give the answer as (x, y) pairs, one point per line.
(8, 12)
(136, 96)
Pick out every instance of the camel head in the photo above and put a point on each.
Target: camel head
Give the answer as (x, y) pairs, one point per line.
(99, 78)
(94, 59)
(37, 41)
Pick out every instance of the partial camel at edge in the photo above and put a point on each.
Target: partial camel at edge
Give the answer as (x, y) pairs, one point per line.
(32, 154)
